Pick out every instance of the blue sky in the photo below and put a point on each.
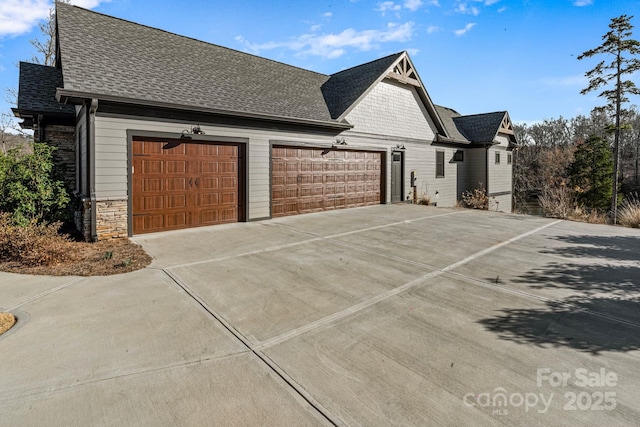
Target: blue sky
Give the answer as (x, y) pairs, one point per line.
(472, 55)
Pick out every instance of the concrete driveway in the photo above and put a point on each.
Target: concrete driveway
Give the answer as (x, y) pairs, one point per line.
(378, 316)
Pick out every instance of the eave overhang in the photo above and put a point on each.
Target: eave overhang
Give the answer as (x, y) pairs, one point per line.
(67, 96)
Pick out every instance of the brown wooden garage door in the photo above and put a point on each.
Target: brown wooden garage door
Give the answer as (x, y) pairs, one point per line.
(307, 180)
(179, 185)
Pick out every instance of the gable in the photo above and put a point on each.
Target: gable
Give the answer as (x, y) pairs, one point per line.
(393, 109)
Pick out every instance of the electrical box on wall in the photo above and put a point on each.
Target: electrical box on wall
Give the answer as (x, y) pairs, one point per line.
(413, 178)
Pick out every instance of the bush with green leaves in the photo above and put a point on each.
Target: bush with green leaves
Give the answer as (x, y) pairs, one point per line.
(31, 190)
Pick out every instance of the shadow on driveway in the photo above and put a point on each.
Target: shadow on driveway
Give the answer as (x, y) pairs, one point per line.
(603, 312)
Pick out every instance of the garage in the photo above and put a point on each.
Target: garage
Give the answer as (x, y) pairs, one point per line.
(305, 180)
(178, 184)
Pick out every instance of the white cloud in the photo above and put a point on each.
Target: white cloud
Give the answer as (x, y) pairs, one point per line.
(88, 4)
(581, 3)
(327, 14)
(502, 9)
(465, 9)
(465, 30)
(413, 5)
(413, 51)
(334, 45)
(433, 29)
(20, 16)
(388, 6)
(490, 2)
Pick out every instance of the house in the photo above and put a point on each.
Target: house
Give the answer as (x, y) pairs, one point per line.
(161, 132)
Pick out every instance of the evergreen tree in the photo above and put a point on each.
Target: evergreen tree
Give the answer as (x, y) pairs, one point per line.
(617, 43)
(591, 173)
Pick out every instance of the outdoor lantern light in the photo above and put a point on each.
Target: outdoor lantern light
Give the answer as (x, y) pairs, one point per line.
(195, 130)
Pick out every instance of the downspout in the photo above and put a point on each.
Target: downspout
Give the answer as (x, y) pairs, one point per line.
(486, 170)
(91, 165)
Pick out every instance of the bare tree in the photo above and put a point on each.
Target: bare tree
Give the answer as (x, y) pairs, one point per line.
(616, 43)
(46, 48)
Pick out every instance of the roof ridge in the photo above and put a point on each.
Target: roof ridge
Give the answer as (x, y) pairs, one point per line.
(369, 62)
(64, 5)
(483, 114)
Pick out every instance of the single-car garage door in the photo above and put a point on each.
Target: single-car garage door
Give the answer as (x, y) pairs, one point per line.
(178, 184)
(307, 180)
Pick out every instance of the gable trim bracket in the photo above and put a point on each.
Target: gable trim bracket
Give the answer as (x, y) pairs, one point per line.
(403, 71)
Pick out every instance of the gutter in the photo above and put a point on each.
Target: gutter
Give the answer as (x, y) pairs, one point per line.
(66, 96)
(91, 164)
(443, 139)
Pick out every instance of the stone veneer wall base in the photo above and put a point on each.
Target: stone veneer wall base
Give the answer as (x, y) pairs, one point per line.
(111, 219)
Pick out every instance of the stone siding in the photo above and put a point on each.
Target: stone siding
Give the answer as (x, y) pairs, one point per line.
(63, 139)
(111, 219)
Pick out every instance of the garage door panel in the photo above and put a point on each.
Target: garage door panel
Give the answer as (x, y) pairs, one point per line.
(152, 166)
(153, 184)
(176, 166)
(179, 185)
(153, 203)
(178, 219)
(177, 201)
(228, 198)
(210, 199)
(210, 217)
(229, 183)
(210, 167)
(311, 180)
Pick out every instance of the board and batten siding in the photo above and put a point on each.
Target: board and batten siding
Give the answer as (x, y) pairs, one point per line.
(111, 156)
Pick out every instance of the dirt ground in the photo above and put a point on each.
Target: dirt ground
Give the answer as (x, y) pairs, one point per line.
(104, 258)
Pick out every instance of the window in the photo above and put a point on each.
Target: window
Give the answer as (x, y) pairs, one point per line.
(458, 156)
(439, 164)
(497, 158)
(509, 159)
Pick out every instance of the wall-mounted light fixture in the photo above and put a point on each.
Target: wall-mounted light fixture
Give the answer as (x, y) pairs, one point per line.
(195, 130)
(399, 147)
(339, 141)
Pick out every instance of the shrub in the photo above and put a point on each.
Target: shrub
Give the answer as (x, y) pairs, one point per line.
(424, 200)
(30, 188)
(629, 212)
(558, 202)
(476, 199)
(33, 244)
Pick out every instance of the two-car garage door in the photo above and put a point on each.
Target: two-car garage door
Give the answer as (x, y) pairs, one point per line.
(307, 180)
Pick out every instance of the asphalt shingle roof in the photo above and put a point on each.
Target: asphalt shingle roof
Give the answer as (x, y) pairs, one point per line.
(110, 56)
(480, 128)
(345, 87)
(475, 128)
(37, 90)
(105, 56)
(447, 116)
